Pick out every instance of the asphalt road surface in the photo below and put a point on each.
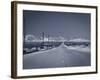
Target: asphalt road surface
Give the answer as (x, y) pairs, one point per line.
(57, 57)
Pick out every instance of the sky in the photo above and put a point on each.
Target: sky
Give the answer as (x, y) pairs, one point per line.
(66, 24)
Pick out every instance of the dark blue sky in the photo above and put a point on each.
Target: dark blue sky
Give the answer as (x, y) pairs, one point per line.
(65, 24)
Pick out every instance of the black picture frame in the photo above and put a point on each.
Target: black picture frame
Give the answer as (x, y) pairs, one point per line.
(14, 38)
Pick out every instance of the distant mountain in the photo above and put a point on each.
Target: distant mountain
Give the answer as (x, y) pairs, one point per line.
(30, 38)
(79, 40)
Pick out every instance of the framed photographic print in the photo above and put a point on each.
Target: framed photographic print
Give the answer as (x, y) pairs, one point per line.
(50, 39)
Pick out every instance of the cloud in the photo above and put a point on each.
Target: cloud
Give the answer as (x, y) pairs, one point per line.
(32, 38)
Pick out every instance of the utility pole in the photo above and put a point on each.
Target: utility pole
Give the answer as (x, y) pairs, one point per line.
(43, 38)
(48, 38)
(48, 42)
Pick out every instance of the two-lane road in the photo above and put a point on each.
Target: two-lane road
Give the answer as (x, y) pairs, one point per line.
(57, 57)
